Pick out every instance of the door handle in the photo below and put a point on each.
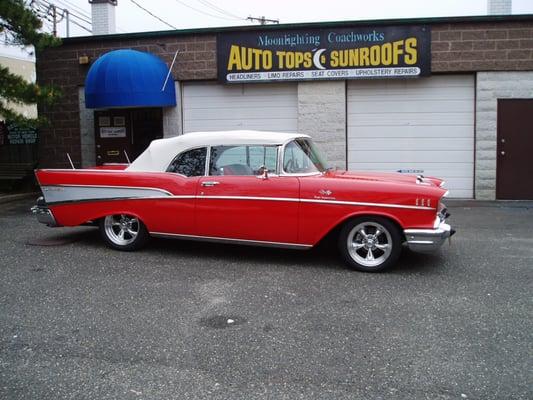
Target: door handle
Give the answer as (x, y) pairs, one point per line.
(210, 183)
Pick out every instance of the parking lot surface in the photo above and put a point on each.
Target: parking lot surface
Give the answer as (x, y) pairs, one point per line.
(186, 320)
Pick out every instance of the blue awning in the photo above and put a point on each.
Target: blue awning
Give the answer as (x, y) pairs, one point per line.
(128, 78)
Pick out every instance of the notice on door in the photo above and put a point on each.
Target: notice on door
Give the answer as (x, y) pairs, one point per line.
(112, 132)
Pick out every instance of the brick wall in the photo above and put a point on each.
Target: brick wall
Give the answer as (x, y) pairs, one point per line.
(60, 67)
(464, 47)
(457, 47)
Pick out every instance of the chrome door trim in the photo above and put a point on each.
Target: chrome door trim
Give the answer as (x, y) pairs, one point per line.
(264, 243)
(363, 204)
(288, 199)
(110, 186)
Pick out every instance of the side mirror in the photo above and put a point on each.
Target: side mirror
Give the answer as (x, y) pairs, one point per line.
(263, 172)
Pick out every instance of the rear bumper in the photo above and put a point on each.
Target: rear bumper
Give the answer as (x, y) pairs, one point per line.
(428, 240)
(43, 213)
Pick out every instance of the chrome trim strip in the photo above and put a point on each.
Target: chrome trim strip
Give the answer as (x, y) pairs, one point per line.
(54, 194)
(363, 204)
(207, 166)
(115, 187)
(59, 203)
(82, 170)
(76, 197)
(234, 241)
(249, 198)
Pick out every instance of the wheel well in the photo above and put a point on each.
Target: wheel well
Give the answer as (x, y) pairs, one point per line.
(334, 232)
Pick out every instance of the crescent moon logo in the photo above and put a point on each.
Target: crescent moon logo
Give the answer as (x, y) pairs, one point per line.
(316, 59)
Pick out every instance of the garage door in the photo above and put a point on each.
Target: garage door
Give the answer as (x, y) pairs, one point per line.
(213, 107)
(421, 126)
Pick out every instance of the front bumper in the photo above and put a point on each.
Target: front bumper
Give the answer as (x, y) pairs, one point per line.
(428, 240)
(43, 213)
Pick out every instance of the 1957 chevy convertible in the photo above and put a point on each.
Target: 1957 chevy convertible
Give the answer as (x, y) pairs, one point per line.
(248, 187)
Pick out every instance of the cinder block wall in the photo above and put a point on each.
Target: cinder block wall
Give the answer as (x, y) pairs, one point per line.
(456, 47)
(322, 114)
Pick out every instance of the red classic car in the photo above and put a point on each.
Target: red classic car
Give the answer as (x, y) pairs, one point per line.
(248, 187)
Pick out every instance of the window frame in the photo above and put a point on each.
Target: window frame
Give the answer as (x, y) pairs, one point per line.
(280, 148)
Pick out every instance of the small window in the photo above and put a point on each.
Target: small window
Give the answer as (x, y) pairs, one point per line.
(242, 160)
(189, 163)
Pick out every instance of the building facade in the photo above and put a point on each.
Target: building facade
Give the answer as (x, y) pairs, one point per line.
(460, 115)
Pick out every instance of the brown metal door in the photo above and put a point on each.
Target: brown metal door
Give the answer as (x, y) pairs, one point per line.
(112, 136)
(514, 176)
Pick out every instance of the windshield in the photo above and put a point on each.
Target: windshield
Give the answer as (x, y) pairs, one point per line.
(302, 156)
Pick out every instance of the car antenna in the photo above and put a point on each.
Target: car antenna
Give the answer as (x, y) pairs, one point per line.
(170, 70)
(127, 158)
(70, 160)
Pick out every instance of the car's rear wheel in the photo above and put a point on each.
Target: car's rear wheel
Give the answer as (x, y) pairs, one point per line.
(370, 244)
(123, 232)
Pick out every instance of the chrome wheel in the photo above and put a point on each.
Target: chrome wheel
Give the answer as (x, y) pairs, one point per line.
(369, 244)
(121, 229)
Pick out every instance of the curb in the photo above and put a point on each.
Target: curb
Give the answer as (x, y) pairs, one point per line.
(489, 203)
(14, 197)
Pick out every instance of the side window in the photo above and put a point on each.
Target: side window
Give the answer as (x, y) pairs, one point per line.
(189, 163)
(242, 160)
(264, 155)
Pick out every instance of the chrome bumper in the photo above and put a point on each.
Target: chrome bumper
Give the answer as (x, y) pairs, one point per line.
(43, 214)
(427, 240)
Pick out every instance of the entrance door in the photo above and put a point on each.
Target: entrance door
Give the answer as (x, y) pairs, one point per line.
(121, 131)
(147, 125)
(514, 176)
(112, 136)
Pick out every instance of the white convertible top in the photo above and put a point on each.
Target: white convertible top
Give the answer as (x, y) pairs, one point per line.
(161, 152)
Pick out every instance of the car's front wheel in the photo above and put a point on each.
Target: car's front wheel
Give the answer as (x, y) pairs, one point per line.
(123, 232)
(370, 244)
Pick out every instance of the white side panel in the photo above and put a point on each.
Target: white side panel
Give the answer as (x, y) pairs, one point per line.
(216, 107)
(424, 124)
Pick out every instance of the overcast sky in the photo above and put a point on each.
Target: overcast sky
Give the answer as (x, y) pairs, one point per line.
(184, 14)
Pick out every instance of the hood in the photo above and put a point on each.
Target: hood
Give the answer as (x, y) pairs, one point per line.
(391, 177)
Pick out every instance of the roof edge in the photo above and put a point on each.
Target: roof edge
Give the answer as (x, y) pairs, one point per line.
(303, 25)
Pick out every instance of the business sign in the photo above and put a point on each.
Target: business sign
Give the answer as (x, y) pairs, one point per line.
(112, 132)
(324, 54)
(11, 133)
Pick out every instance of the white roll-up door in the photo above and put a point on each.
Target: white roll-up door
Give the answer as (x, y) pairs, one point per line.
(421, 126)
(216, 107)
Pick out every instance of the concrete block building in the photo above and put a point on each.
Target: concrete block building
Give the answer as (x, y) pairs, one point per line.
(448, 97)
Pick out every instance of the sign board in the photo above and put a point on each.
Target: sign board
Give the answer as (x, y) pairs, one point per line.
(410, 171)
(324, 54)
(10, 133)
(112, 132)
(3, 133)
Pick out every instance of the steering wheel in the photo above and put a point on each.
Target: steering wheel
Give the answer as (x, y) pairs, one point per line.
(289, 165)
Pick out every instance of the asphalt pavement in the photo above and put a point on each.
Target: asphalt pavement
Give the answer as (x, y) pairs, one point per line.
(187, 320)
